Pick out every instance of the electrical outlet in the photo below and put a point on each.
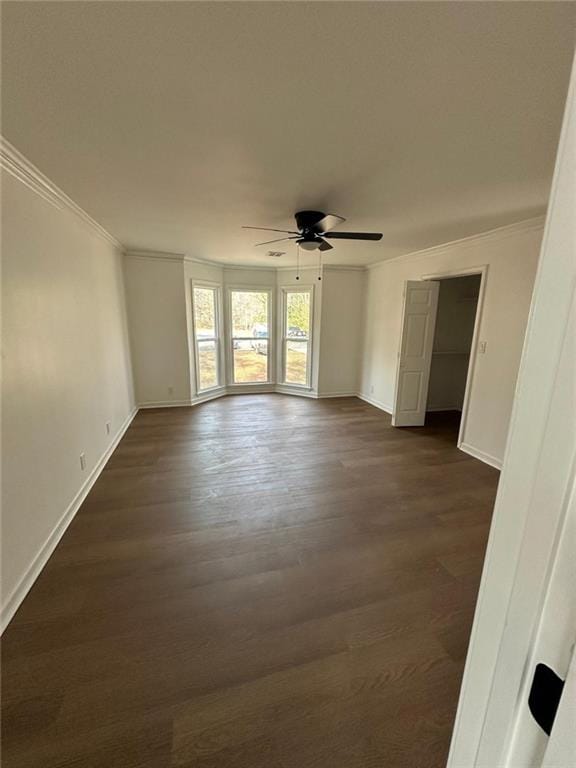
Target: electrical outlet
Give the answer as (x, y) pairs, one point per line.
(107, 427)
(170, 390)
(82, 461)
(482, 348)
(372, 389)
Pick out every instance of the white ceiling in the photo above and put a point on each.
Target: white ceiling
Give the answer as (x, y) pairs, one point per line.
(173, 124)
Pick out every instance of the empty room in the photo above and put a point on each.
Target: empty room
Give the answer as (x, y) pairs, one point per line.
(288, 384)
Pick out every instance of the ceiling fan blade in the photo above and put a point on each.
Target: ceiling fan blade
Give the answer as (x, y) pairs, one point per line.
(355, 235)
(325, 246)
(280, 240)
(327, 223)
(267, 229)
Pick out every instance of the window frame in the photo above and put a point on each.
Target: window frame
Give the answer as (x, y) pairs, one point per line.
(217, 339)
(268, 290)
(284, 338)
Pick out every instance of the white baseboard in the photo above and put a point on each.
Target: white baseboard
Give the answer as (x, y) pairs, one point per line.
(376, 403)
(337, 394)
(167, 403)
(206, 396)
(481, 455)
(20, 591)
(237, 389)
(297, 391)
(196, 400)
(248, 389)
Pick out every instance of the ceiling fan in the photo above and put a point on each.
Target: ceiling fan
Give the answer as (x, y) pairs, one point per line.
(314, 227)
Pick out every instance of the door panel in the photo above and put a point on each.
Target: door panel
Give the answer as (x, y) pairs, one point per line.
(410, 387)
(415, 335)
(418, 324)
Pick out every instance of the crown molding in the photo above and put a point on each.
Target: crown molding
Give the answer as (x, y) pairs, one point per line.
(251, 267)
(326, 268)
(182, 257)
(499, 233)
(158, 255)
(14, 163)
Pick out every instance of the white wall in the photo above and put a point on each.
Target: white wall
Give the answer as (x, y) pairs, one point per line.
(156, 301)
(342, 328)
(66, 372)
(511, 255)
(457, 303)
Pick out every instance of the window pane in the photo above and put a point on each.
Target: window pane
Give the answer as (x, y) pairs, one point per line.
(250, 314)
(298, 314)
(207, 364)
(296, 359)
(250, 361)
(205, 313)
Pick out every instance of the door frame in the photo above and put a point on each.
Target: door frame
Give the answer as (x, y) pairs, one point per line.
(481, 270)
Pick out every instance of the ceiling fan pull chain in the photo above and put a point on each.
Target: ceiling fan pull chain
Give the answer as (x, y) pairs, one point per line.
(297, 261)
(319, 265)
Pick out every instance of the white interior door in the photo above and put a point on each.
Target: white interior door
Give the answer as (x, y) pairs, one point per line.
(554, 647)
(418, 324)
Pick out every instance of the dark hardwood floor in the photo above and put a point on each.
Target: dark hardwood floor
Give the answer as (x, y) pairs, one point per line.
(257, 582)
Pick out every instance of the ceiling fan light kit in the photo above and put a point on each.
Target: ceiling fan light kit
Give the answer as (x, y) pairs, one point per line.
(309, 245)
(314, 228)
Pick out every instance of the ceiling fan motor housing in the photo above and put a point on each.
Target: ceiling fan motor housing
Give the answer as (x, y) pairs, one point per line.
(306, 221)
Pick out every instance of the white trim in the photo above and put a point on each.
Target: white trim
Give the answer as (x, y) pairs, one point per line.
(166, 403)
(481, 270)
(250, 389)
(144, 253)
(325, 268)
(508, 230)
(376, 403)
(227, 265)
(14, 163)
(288, 389)
(519, 227)
(211, 394)
(481, 455)
(239, 389)
(337, 394)
(159, 255)
(15, 598)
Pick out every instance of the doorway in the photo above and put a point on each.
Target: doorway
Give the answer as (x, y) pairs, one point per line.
(458, 332)
(451, 349)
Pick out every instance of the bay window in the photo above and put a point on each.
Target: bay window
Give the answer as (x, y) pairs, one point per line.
(296, 336)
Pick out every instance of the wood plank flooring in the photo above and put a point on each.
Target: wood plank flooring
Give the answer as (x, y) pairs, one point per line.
(257, 582)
